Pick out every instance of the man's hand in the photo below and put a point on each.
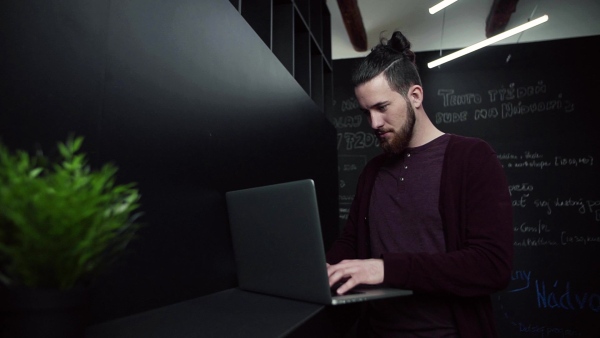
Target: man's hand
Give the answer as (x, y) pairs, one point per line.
(367, 271)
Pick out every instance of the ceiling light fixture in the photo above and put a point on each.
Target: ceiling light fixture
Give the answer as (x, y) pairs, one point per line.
(441, 6)
(488, 42)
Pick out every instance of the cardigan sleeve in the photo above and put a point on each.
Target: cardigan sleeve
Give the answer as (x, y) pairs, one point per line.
(354, 242)
(346, 246)
(477, 215)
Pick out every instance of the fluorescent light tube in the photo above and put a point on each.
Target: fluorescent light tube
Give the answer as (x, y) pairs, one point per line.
(441, 6)
(487, 42)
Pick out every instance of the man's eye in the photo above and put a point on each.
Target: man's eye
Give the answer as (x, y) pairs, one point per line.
(383, 108)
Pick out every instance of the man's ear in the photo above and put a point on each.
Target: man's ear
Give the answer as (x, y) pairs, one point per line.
(415, 95)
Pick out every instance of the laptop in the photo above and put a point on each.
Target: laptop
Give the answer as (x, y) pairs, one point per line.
(278, 245)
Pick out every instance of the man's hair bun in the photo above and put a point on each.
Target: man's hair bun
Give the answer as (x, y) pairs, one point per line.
(400, 44)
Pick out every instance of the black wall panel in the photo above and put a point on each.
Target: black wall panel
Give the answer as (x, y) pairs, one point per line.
(189, 103)
(51, 71)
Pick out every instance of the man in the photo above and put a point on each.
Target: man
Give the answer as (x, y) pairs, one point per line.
(432, 214)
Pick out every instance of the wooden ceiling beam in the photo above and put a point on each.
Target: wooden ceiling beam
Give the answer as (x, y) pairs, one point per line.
(354, 24)
(499, 16)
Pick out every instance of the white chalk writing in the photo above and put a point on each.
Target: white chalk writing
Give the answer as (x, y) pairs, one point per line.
(502, 103)
(347, 121)
(356, 140)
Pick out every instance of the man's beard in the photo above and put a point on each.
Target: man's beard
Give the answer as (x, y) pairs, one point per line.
(401, 138)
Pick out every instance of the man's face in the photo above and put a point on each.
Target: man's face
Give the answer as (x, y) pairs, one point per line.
(392, 117)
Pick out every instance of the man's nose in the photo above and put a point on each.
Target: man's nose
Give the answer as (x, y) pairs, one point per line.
(376, 121)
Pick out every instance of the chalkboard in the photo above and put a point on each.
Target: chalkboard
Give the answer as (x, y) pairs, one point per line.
(534, 103)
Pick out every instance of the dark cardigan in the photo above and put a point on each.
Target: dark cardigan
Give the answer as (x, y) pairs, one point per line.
(476, 212)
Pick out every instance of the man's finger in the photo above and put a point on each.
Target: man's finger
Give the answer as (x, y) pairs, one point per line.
(336, 276)
(347, 286)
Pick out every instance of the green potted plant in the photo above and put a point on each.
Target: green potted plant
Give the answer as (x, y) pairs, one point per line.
(61, 223)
